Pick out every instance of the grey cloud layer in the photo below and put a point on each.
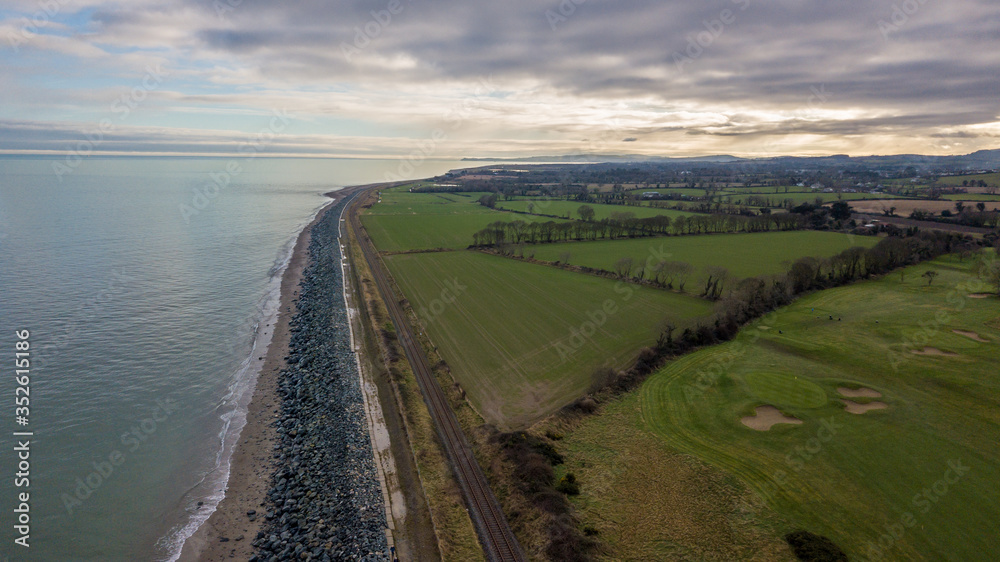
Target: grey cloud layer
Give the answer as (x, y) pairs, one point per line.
(780, 66)
(944, 53)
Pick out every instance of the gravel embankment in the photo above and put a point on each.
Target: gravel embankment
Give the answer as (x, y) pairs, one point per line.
(325, 502)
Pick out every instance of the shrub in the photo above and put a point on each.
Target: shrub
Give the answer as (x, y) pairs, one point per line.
(567, 543)
(810, 547)
(548, 451)
(551, 502)
(568, 485)
(535, 474)
(588, 405)
(601, 377)
(533, 459)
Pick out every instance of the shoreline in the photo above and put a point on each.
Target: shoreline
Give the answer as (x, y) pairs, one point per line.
(229, 531)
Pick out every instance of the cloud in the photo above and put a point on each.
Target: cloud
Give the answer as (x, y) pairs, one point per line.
(725, 72)
(75, 138)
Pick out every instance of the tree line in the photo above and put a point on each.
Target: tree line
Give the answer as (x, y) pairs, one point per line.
(964, 215)
(805, 274)
(502, 234)
(744, 300)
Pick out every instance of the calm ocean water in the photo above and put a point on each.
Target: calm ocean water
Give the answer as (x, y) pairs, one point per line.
(142, 316)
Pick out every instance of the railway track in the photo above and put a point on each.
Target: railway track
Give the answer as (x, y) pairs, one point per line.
(498, 541)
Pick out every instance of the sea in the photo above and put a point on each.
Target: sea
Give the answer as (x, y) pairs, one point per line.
(139, 285)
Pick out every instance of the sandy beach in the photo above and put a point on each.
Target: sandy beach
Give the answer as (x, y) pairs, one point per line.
(228, 533)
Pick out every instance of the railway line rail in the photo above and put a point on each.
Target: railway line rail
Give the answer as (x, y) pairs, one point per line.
(495, 535)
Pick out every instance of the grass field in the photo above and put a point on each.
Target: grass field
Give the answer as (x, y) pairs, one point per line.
(523, 339)
(771, 189)
(690, 192)
(799, 198)
(985, 197)
(956, 181)
(651, 502)
(401, 202)
(906, 206)
(397, 233)
(561, 208)
(887, 475)
(744, 255)
(405, 221)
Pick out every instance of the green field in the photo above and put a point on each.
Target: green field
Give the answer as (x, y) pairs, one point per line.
(956, 181)
(669, 471)
(562, 208)
(651, 502)
(399, 233)
(852, 477)
(744, 255)
(799, 198)
(401, 202)
(772, 189)
(690, 192)
(405, 221)
(985, 197)
(522, 339)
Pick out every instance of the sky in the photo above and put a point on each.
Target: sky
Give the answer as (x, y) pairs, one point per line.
(450, 79)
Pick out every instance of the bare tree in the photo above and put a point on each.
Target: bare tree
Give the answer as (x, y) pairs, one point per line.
(658, 272)
(681, 272)
(600, 378)
(715, 281)
(988, 269)
(623, 267)
(666, 338)
(802, 274)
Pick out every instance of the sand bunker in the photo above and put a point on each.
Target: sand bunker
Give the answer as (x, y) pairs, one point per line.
(970, 335)
(933, 351)
(980, 296)
(859, 392)
(855, 408)
(765, 417)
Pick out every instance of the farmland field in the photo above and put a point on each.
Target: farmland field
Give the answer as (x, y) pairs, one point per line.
(744, 255)
(985, 197)
(801, 197)
(524, 339)
(401, 232)
(906, 206)
(688, 191)
(561, 208)
(913, 481)
(609, 187)
(401, 202)
(771, 189)
(956, 181)
(405, 221)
